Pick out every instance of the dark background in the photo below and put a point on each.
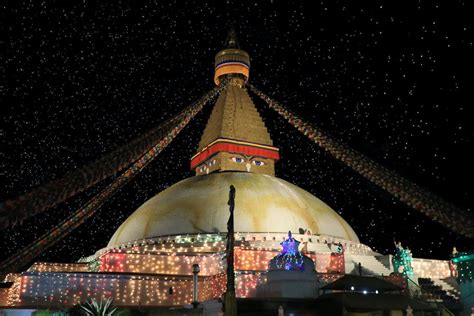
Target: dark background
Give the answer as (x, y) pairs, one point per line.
(391, 79)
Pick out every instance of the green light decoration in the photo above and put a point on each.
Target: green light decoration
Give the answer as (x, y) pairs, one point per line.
(94, 265)
(464, 262)
(464, 257)
(402, 261)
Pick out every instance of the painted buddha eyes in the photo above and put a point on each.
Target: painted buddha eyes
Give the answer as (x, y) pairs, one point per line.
(237, 159)
(258, 162)
(242, 160)
(205, 166)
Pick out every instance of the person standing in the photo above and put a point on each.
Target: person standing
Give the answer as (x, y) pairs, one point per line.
(281, 312)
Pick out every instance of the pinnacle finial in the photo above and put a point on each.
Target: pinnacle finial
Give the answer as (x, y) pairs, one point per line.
(231, 40)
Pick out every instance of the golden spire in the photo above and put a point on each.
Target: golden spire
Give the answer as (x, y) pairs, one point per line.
(235, 138)
(231, 40)
(231, 61)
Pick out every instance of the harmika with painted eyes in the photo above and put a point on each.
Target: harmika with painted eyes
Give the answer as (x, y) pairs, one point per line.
(248, 161)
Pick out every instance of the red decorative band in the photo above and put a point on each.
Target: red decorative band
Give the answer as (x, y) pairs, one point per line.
(248, 149)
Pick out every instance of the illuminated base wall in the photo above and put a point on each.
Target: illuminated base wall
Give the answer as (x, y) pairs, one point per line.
(430, 268)
(181, 264)
(142, 272)
(175, 255)
(53, 288)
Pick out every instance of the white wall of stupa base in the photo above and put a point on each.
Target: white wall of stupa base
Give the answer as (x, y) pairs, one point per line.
(142, 272)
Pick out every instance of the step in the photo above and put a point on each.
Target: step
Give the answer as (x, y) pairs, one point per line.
(447, 287)
(370, 263)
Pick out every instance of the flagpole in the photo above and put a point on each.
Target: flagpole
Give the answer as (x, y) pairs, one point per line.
(230, 304)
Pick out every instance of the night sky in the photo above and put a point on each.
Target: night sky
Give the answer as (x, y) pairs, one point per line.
(389, 78)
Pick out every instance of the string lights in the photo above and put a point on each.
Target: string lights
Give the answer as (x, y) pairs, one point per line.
(430, 268)
(79, 180)
(125, 289)
(143, 271)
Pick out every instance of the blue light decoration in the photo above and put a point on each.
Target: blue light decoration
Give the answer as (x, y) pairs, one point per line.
(290, 258)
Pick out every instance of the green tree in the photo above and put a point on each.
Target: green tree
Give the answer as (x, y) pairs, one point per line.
(92, 307)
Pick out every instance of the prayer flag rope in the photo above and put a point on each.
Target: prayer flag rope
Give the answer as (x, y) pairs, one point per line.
(51, 237)
(53, 193)
(411, 194)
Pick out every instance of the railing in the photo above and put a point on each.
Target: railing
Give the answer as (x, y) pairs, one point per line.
(426, 295)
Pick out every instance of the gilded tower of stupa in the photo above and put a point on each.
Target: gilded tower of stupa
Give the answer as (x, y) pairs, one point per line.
(235, 138)
(235, 149)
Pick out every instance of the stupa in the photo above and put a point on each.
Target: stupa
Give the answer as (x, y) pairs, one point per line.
(235, 148)
(149, 259)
